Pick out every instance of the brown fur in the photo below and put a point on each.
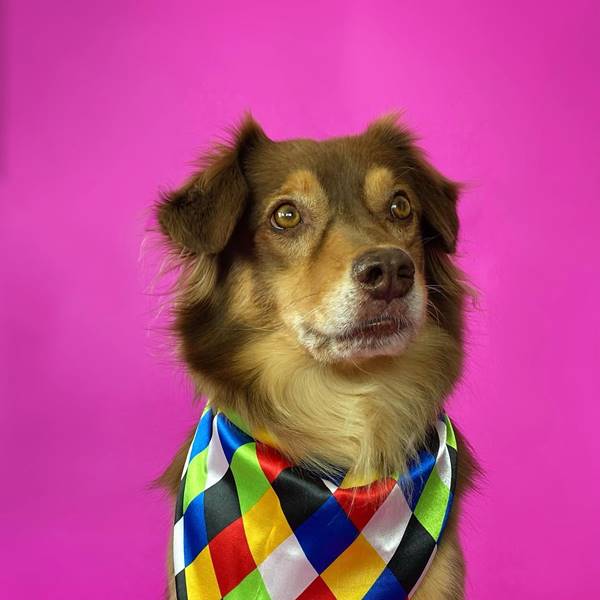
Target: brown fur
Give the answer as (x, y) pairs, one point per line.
(242, 283)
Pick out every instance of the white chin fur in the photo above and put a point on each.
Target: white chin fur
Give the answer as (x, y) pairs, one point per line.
(324, 339)
(326, 349)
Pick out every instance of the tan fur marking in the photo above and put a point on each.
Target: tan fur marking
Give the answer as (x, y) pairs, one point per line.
(378, 186)
(243, 306)
(305, 184)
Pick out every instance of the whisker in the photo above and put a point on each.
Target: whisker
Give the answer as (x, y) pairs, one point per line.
(438, 289)
(437, 314)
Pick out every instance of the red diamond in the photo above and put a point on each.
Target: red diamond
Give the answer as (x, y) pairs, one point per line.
(317, 590)
(271, 461)
(231, 556)
(361, 503)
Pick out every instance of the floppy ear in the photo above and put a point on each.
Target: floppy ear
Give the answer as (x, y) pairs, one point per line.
(437, 194)
(439, 197)
(201, 216)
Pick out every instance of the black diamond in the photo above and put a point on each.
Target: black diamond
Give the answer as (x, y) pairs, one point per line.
(300, 493)
(179, 504)
(180, 586)
(453, 462)
(411, 557)
(221, 505)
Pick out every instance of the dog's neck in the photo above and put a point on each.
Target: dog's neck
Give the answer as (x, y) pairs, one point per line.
(368, 418)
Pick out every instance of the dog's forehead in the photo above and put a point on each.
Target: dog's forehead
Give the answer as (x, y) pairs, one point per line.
(341, 166)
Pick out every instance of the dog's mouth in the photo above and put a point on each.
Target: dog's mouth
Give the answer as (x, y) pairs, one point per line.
(383, 335)
(375, 329)
(350, 330)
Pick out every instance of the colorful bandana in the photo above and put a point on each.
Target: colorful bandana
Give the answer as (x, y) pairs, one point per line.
(250, 525)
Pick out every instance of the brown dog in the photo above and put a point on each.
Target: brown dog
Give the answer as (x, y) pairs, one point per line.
(318, 299)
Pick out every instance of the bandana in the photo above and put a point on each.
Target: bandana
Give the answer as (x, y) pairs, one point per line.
(250, 524)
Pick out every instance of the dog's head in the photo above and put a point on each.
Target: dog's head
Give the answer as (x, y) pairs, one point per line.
(335, 249)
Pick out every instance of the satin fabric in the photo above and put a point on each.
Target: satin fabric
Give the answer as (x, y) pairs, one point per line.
(249, 524)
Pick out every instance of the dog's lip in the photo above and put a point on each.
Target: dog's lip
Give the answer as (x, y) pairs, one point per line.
(380, 327)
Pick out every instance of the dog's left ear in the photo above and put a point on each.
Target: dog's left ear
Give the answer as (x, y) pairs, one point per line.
(439, 197)
(201, 216)
(437, 194)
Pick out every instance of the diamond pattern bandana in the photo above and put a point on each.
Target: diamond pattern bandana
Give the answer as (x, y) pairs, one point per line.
(249, 524)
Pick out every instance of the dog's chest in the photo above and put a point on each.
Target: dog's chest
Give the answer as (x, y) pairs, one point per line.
(249, 524)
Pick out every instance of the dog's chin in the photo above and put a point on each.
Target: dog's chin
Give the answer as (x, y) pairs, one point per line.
(383, 336)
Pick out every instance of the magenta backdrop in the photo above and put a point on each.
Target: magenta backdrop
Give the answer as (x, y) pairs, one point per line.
(103, 104)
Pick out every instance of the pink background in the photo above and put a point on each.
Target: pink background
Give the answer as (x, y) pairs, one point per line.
(104, 103)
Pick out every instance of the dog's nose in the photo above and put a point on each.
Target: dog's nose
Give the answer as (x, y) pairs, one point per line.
(386, 273)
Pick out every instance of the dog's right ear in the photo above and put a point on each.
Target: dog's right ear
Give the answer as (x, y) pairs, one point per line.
(201, 216)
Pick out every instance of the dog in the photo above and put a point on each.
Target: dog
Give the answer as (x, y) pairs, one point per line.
(318, 301)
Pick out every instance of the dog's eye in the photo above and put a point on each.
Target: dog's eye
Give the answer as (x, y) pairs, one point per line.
(400, 207)
(285, 217)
